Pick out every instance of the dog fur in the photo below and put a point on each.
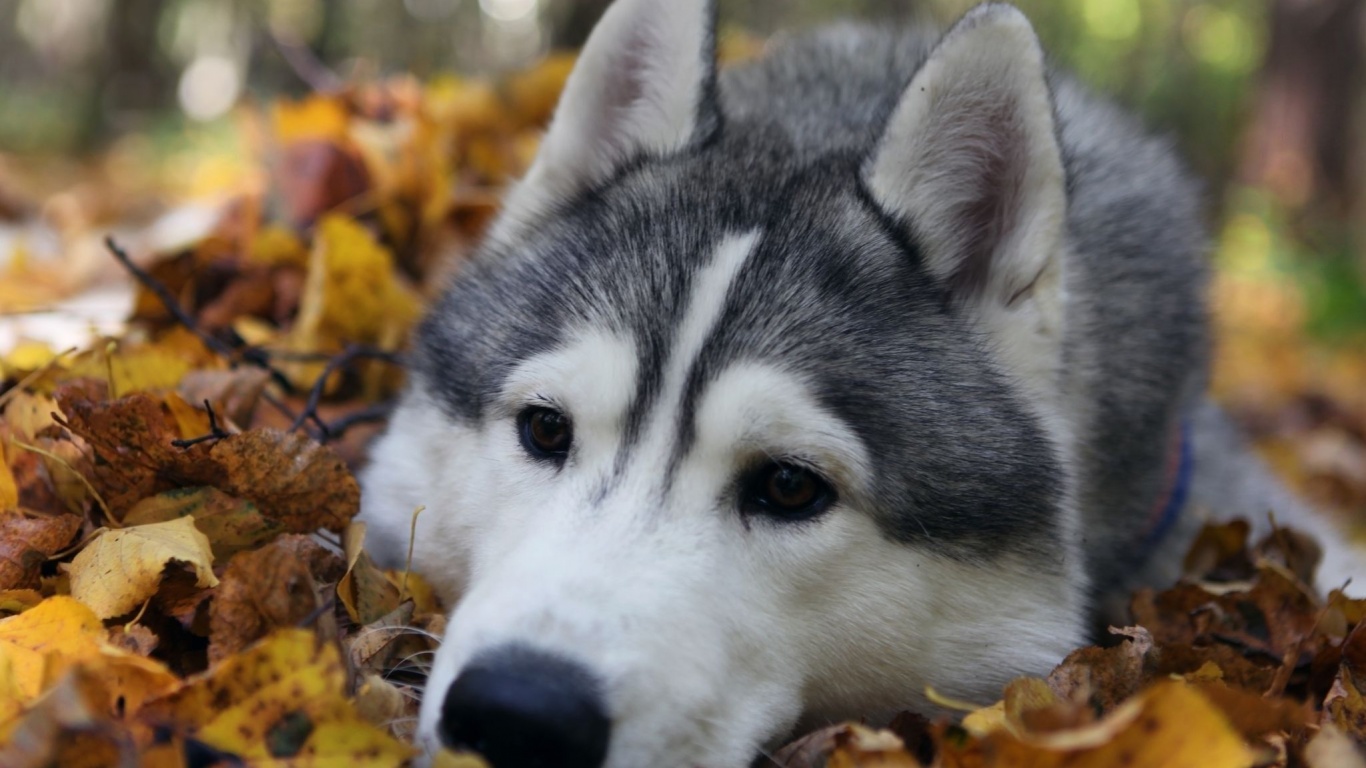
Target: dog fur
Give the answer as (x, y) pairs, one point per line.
(960, 289)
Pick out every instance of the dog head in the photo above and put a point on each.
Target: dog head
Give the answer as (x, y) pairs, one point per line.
(731, 426)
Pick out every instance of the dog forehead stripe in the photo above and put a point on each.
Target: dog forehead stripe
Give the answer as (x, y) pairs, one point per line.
(705, 307)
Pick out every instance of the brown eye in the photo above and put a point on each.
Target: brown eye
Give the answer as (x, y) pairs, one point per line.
(787, 491)
(546, 433)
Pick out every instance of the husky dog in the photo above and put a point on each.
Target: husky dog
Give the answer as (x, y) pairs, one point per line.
(780, 394)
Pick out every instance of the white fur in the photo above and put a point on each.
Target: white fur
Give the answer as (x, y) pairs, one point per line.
(634, 90)
(713, 633)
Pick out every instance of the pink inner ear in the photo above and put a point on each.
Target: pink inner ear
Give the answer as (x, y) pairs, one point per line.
(989, 149)
(623, 88)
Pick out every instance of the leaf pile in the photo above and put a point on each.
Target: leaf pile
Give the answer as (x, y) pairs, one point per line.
(1240, 664)
(181, 582)
(180, 578)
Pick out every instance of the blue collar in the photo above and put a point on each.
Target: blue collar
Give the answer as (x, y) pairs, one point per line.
(1167, 512)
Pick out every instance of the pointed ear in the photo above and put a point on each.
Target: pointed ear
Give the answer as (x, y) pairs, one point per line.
(969, 162)
(644, 84)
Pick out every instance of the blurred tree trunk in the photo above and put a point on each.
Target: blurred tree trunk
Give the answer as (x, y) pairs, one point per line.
(133, 79)
(1305, 128)
(571, 27)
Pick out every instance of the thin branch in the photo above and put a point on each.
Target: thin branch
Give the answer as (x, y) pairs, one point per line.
(348, 356)
(247, 354)
(215, 432)
(369, 415)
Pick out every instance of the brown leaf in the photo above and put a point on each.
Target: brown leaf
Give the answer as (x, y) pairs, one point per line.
(292, 479)
(27, 541)
(1254, 715)
(295, 481)
(264, 590)
(131, 438)
(1105, 677)
(233, 394)
(134, 638)
(1219, 553)
(1270, 618)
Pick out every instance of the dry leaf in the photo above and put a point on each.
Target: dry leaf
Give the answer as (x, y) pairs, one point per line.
(27, 541)
(120, 570)
(60, 634)
(267, 589)
(365, 591)
(295, 481)
(230, 524)
(281, 702)
(1170, 725)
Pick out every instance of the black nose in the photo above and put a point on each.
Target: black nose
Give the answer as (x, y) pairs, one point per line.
(520, 708)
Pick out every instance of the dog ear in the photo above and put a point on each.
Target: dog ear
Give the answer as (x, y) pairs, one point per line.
(969, 162)
(644, 85)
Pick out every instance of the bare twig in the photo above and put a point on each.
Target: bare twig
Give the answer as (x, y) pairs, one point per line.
(215, 432)
(369, 415)
(233, 354)
(347, 357)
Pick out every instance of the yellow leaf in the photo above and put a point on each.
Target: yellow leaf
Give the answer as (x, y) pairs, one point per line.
(9, 488)
(981, 722)
(58, 626)
(275, 245)
(42, 645)
(26, 356)
(365, 591)
(191, 422)
(27, 413)
(119, 570)
(11, 695)
(448, 759)
(231, 524)
(317, 117)
(351, 293)
(281, 702)
(140, 369)
(1170, 725)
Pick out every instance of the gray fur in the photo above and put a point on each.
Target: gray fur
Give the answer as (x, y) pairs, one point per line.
(834, 287)
(972, 510)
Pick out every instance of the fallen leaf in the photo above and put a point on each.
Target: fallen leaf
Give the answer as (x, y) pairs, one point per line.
(294, 481)
(9, 487)
(231, 524)
(1170, 725)
(120, 570)
(233, 393)
(27, 413)
(264, 590)
(365, 591)
(282, 700)
(60, 634)
(27, 541)
(69, 727)
(1104, 677)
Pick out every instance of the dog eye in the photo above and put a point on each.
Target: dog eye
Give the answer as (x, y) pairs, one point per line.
(788, 491)
(546, 433)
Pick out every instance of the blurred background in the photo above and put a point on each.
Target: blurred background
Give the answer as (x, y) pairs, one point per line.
(147, 117)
